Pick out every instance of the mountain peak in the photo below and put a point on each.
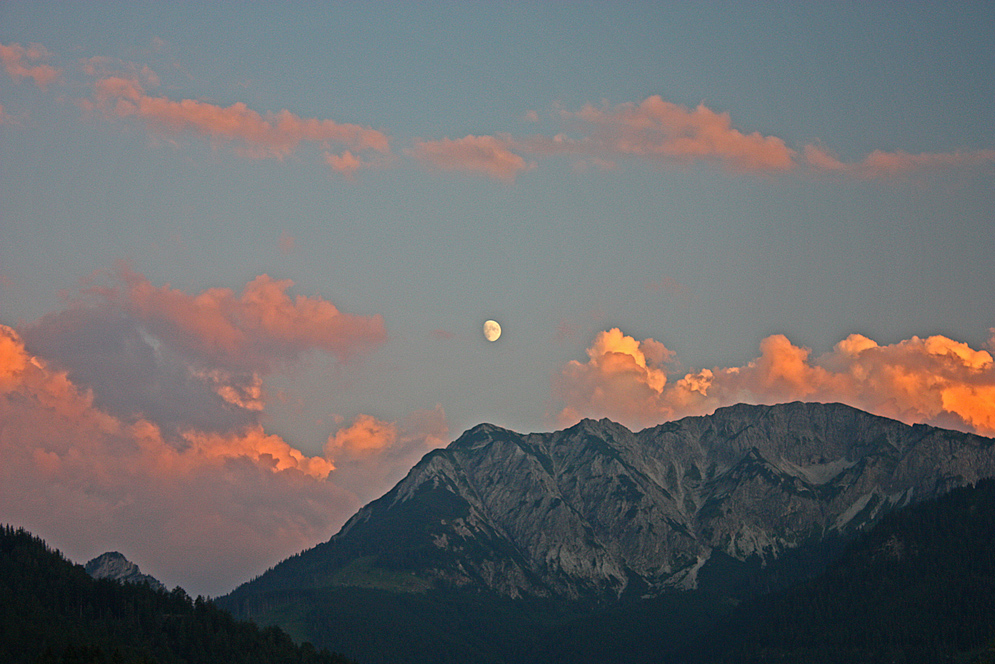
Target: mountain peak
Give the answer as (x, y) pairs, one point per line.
(115, 566)
(595, 508)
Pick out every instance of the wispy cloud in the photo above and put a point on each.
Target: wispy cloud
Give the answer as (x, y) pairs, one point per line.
(482, 155)
(882, 165)
(659, 130)
(253, 134)
(935, 380)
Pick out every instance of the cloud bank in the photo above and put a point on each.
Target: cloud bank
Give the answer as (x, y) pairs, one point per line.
(935, 380)
(135, 420)
(595, 136)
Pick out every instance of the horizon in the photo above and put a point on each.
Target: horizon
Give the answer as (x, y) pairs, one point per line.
(247, 255)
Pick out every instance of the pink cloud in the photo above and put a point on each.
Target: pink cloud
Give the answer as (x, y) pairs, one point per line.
(346, 163)
(211, 509)
(481, 155)
(371, 455)
(252, 330)
(881, 164)
(20, 62)
(139, 426)
(271, 135)
(660, 130)
(192, 360)
(935, 380)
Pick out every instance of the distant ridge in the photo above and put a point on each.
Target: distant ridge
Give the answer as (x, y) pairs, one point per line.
(113, 565)
(52, 611)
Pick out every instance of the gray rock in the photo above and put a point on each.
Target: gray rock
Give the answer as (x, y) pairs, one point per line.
(596, 508)
(113, 565)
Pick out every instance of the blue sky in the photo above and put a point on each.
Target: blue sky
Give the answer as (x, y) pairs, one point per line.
(704, 179)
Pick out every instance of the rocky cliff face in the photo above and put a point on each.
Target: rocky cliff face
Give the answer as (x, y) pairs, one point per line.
(599, 510)
(113, 565)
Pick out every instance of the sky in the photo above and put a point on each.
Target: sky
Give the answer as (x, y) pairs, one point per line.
(247, 250)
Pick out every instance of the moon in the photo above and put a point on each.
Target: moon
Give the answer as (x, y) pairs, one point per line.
(492, 330)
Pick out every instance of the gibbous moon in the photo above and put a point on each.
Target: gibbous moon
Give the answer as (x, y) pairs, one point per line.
(492, 330)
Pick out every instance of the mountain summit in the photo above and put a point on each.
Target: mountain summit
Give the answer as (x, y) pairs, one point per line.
(113, 565)
(599, 511)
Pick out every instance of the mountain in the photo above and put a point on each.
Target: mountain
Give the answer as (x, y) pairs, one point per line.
(113, 565)
(508, 547)
(597, 511)
(53, 612)
(918, 587)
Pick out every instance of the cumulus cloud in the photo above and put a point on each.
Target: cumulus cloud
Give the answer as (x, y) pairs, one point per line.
(206, 509)
(134, 420)
(22, 62)
(192, 360)
(275, 135)
(370, 452)
(935, 380)
(252, 330)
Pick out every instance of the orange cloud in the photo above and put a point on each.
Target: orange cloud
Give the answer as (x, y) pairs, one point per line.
(210, 508)
(935, 380)
(20, 62)
(197, 360)
(482, 155)
(371, 454)
(271, 135)
(661, 130)
(346, 163)
(882, 164)
(252, 330)
(622, 379)
(365, 436)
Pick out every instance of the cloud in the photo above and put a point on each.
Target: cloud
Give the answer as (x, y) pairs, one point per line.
(207, 509)
(275, 135)
(881, 164)
(481, 155)
(134, 420)
(253, 330)
(372, 454)
(935, 380)
(346, 163)
(20, 62)
(192, 360)
(660, 130)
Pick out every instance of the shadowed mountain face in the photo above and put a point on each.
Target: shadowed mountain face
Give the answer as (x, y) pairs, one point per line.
(599, 511)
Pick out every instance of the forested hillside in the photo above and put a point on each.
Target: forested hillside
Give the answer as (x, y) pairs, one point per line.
(53, 612)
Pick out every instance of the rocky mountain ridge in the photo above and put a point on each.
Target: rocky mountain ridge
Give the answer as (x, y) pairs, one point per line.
(113, 565)
(599, 511)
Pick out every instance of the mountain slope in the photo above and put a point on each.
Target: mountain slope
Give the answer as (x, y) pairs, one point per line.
(52, 611)
(598, 511)
(919, 587)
